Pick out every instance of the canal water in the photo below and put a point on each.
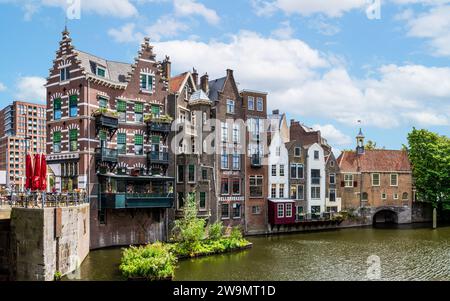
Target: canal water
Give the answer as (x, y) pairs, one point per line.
(405, 253)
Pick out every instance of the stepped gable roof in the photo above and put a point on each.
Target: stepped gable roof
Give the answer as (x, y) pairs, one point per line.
(375, 161)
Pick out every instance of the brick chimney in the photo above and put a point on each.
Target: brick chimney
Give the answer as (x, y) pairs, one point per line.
(167, 67)
(229, 72)
(276, 112)
(195, 76)
(204, 83)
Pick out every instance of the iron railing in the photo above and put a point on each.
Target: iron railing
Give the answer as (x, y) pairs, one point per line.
(41, 200)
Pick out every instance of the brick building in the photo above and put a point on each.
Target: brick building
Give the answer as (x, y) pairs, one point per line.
(256, 169)
(22, 124)
(107, 133)
(374, 178)
(194, 165)
(297, 177)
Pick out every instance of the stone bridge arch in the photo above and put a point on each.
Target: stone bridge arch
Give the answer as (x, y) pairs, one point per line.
(391, 214)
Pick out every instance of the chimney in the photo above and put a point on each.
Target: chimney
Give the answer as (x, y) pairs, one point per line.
(195, 76)
(204, 83)
(276, 112)
(292, 121)
(167, 67)
(229, 72)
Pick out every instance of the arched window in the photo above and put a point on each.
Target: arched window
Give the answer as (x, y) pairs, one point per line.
(365, 196)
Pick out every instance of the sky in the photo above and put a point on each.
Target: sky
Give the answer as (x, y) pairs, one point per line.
(326, 63)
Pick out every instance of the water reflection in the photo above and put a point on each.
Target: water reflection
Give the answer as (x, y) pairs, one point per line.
(406, 253)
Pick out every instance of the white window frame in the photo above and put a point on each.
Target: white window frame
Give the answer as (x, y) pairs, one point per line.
(347, 178)
(299, 153)
(289, 212)
(224, 132)
(390, 179)
(379, 180)
(280, 209)
(231, 106)
(259, 104)
(251, 100)
(332, 175)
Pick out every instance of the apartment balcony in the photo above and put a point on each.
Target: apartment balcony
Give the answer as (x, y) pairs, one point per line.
(158, 158)
(106, 121)
(256, 161)
(159, 127)
(137, 200)
(106, 155)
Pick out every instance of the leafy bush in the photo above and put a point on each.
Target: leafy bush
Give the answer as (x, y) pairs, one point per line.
(152, 262)
(215, 231)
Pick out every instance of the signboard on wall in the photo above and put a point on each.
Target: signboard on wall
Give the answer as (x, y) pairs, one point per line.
(2, 177)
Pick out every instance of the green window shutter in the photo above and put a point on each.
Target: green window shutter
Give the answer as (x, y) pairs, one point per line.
(139, 140)
(73, 135)
(122, 138)
(57, 137)
(102, 135)
(73, 100)
(57, 104)
(139, 108)
(156, 110)
(121, 106)
(156, 139)
(150, 82)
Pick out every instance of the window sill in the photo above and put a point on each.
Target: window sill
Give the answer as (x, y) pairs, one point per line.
(143, 91)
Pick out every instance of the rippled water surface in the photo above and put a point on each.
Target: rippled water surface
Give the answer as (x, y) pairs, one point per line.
(405, 254)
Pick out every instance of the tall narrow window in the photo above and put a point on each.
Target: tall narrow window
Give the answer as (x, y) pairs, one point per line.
(230, 106)
(288, 210)
(139, 112)
(147, 82)
(297, 151)
(224, 159)
(236, 133)
(139, 145)
(394, 179)
(281, 170)
(73, 139)
(280, 210)
(122, 110)
(57, 142)
(180, 174)
(260, 104)
(156, 111)
(274, 170)
(122, 143)
(191, 177)
(224, 132)
(332, 178)
(376, 179)
(281, 191)
(180, 200)
(102, 103)
(273, 191)
(224, 187)
(225, 211)
(332, 195)
(73, 105)
(251, 103)
(64, 74)
(202, 203)
(236, 211)
(57, 109)
(236, 188)
(236, 161)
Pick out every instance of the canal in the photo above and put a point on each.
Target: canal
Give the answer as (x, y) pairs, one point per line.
(405, 253)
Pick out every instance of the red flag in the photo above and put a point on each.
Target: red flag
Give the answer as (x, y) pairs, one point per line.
(28, 172)
(36, 185)
(43, 173)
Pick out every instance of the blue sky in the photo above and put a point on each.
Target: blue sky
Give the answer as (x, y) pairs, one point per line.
(323, 62)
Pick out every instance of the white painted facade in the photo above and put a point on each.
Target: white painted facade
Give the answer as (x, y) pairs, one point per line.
(279, 159)
(316, 163)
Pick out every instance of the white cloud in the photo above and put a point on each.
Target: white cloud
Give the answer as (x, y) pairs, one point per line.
(192, 8)
(114, 8)
(2, 87)
(433, 25)
(285, 31)
(125, 34)
(332, 134)
(30, 88)
(304, 82)
(330, 8)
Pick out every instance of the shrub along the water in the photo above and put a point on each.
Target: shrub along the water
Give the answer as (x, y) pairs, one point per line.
(190, 239)
(152, 262)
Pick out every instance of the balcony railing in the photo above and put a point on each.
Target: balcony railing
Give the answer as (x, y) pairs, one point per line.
(158, 157)
(106, 155)
(136, 201)
(106, 121)
(159, 127)
(256, 161)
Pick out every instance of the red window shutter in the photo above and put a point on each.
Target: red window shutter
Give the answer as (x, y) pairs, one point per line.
(342, 184)
(355, 184)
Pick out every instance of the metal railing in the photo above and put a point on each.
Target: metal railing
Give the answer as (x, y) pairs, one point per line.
(41, 200)
(107, 154)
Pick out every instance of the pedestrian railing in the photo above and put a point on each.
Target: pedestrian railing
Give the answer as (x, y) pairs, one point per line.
(41, 200)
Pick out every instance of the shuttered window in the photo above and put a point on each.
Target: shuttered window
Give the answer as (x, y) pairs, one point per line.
(57, 137)
(139, 140)
(139, 108)
(156, 110)
(156, 139)
(121, 106)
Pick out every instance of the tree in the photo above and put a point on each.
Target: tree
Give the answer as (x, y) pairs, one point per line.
(429, 154)
(371, 145)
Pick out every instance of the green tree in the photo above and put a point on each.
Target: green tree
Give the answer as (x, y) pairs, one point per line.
(430, 157)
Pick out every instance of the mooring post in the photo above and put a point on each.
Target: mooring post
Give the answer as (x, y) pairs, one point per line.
(434, 218)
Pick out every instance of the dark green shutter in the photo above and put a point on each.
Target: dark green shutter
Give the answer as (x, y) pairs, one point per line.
(156, 110)
(156, 139)
(57, 137)
(139, 140)
(102, 135)
(139, 108)
(57, 104)
(121, 106)
(73, 135)
(122, 138)
(73, 100)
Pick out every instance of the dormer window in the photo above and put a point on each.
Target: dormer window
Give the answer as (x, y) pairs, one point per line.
(64, 74)
(101, 71)
(147, 82)
(230, 106)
